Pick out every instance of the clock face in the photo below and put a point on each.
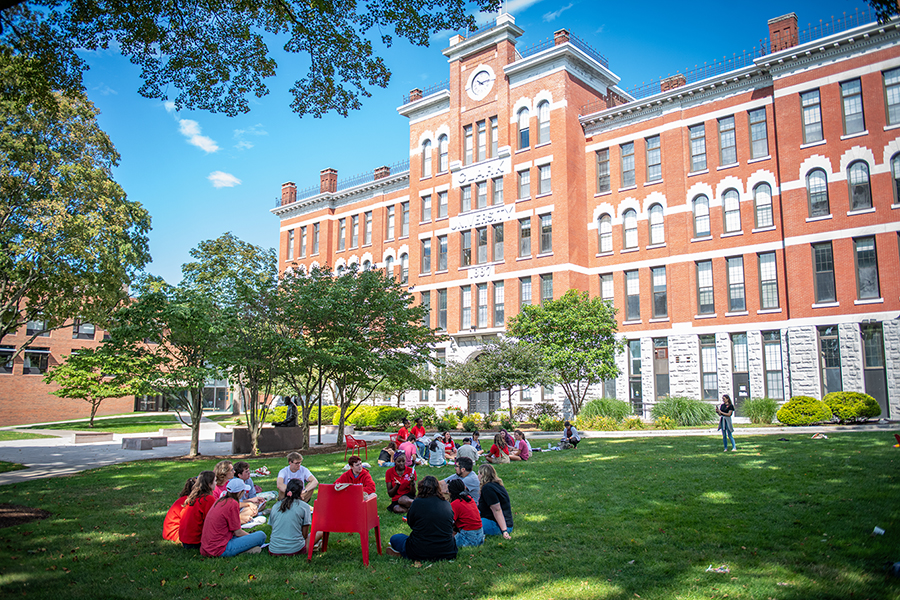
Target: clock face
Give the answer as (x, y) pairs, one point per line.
(481, 84)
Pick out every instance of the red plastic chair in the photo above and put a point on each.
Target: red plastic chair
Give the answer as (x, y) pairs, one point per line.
(345, 512)
(394, 438)
(355, 444)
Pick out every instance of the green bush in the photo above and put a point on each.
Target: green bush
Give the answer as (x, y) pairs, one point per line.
(273, 415)
(446, 423)
(664, 422)
(803, 410)
(633, 423)
(760, 410)
(389, 417)
(470, 422)
(488, 420)
(605, 407)
(597, 423)
(507, 423)
(428, 415)
(358, 417)
(850, 407)
(688, 412)
(451, 419)
(547, 423)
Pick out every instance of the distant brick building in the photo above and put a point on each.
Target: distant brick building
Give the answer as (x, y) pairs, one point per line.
(711, 208)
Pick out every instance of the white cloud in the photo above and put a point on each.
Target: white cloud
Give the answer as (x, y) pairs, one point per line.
(191, 130)
(601, 29)
(240, 134)
(222, 179)
(170, 106)
(553, 15)
(514, 6)
(105, 90)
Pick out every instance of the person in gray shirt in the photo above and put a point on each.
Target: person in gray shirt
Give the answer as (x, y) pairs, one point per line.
(464, 473)
(467, 450)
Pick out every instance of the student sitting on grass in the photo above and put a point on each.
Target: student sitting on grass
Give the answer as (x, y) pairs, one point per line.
(494, 506)
(173, 517)
(467, 450)
(224, 471)
(356, 475)
(449, 446)
(522, 450)
(401, 485)
(436, 453)
(499, 452)
(466, 519)
(386, 457)
(431, 520)
(222, 533)
(296, 470)
(570, 437)
(196, 508)
(251, 504)
(290, 520)
(410, 449)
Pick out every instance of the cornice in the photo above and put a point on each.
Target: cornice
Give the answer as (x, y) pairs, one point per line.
(573, 59)
(332, 200)
(436, 101)
(505, 30)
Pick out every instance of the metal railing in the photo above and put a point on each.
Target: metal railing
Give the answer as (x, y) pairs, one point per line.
(837, 25)
(550, 42)
(399, 167)
(437, 87)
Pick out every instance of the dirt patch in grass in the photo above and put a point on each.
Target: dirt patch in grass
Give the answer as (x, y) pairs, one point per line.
(15, 514)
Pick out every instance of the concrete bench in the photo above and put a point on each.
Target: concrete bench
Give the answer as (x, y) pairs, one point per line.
(87, 437)
(224, 436)
(159, 440)
(175, 432)
(137, 444)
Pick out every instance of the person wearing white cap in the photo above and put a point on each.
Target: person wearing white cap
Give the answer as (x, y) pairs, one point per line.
(222, 533)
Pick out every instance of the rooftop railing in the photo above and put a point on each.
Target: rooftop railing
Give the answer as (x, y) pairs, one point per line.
(437, 87)
(399, 167)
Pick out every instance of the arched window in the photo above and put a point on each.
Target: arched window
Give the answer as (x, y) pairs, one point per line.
(604, 226)
(860, 192)
(543, 122)
(817, 193)
(523, 117)
(701, 216)
(404, 268)
(631, 234)
(657, 226)
(762, 200)
(426, 159)
(340, 270)
(389, 266)
(367, 266)
(732, 204)
(444, 161)
(895, 171)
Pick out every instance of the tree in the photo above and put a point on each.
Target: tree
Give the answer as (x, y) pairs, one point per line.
(467, 378)
(885, 10)
(576, 337)
(215, 52)
(93, 375)
(509, 363)
(70, 242)
(398, 384)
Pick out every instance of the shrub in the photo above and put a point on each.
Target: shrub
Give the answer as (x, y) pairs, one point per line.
(852, 406)
(488, 420)
(470, 422)
(387, 417)
(361, 416)
(597, 423)
(760, 410)
(550, 424)
(689, 412)
(803, 410)
(633, 423)
(274, 414)
(427, 414)
(543, 409)
(605, 407)
(443, 425)
(664, 422)
(451, 420)
(522, 414)
(507, 423)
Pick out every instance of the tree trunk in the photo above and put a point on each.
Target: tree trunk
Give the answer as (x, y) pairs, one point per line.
(195, 400)
(509, 399)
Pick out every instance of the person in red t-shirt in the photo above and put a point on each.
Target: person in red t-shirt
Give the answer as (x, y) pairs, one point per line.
(196, 508)
(466, 518)
(356, 475)
(401, 485)
(404, 431)
(222, 533)
(499, 452)
(418, 430)
(173, 517)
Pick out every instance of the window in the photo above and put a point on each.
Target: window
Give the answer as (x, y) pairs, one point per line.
(768, 281)
(705, 298)
(698, 148)
(467, 145)
(303, 241)
(701, 216)
(6, 362)
(354, 231)
(426, 304)
(523, 116)
(426, 208)
(524, 184)
(466, 246)
(657, 226)
(494, 136)
(607, 290)
(290, 248)
(739, 353)
(812, 117)
(426, 159)
(762, 201)
(481, 194)
(390, 223)
(442, 253)
(36, 361)
(367, 228)
(82, 330)
(823, 270)
(817, 193)
(727, 141)
(543, 110)
(342, 233)
(525, 237)
(736, 297)
(895, 173)
(465, 198)
(389, 266)
(860, 192)
(37, 327)
(404, 219)
(633, 296)
(603, 171)
(892, 96)
(654, 159)
(443, 154)
(732, 204)
(627, 151)
(466, 304)
(660, 302)
(497, 190)
(546, 233)
(481, 132)
(442, 205)
(604, 227)
(442, 309)
(759, 135)
(830, 360)
(497, 254)
(852, 107)
(709, 378)
(866, 268)
(481, 245)
(316, 238)
(630, 228)
(482, 305)
(544, 183)
(772, 364)
(498, 304)
(426, 256)
(524, 291)
(546, 288)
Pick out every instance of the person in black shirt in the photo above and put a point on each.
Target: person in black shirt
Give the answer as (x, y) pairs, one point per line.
(494, 506)
(431, 519)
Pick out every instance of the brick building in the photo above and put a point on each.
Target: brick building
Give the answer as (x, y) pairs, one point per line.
(738, 187)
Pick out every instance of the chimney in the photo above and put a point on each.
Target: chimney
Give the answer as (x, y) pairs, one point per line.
(328, 181)
(288, 192)
(560, 37)
(783, 32)
(670, 83)
(382, 172)
(415, 94)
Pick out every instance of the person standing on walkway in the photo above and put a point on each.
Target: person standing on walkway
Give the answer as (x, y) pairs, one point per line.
(725, 411)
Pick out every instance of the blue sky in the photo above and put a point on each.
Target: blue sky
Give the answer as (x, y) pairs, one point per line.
(202, 174)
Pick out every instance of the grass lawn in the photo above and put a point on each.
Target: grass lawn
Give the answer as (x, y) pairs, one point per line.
(616, 518)
(9, 436)
(142, 424)
(8, 466)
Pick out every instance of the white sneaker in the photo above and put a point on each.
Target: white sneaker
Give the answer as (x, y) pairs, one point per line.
(254, 522)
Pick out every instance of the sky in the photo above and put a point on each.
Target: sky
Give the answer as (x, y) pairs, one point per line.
(201, 174)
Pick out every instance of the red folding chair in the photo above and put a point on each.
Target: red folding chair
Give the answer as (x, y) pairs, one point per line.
(355, 444)
(345, 512)
(394, 438)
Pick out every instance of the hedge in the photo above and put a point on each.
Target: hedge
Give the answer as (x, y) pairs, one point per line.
(688, 412)
(803, 410)
(605, 407)
(852, 406)
(380, 417)
(760, 410)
